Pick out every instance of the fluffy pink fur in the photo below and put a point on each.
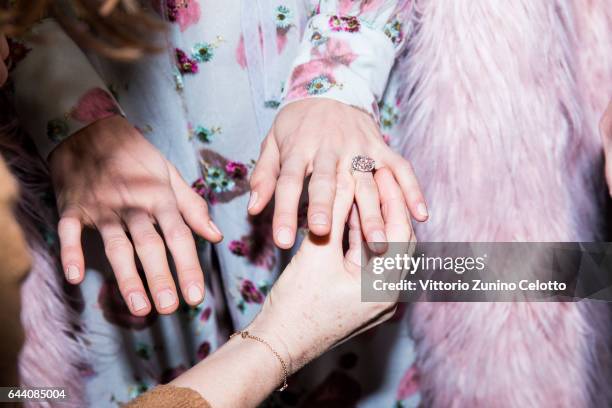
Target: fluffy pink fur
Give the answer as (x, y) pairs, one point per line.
(503, 100)
(53, 350)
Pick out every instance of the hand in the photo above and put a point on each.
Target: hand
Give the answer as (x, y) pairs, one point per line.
(316, 302)
(110, 177)
(320, 137)
(4, 54)
(605, 128)
(314, 305)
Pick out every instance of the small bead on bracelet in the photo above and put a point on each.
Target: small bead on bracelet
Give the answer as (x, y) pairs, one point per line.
(245, 335)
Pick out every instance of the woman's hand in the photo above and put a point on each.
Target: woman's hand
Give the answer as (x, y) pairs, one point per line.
(314, 305)
(605, 128)
(320, 137)
(110, 177)
(316, 302)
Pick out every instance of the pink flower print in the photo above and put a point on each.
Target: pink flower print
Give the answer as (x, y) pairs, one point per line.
(369, 6)
(96, 104)
(239, 247)
(240, 54)
(310, 78)
(183, 12)
(250, 293)
(184, 63)
(236, 170)
(340, 23)
(203, 350)
(200, 187)
(316, 76)
(345, 6)
(336, 52)
(205, 315)
(409, 384)
(281, 40)
(216, 177)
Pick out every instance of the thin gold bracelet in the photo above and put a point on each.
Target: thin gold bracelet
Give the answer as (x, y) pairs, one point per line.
(245, 335)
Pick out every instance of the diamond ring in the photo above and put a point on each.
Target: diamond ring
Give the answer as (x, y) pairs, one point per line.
(363, 164)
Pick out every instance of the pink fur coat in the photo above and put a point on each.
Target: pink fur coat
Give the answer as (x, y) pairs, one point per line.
(504, 101)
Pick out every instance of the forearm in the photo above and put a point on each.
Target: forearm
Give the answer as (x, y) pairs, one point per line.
(242, 373)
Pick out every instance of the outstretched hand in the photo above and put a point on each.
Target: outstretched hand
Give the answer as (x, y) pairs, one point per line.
(108, 176)
(319, 137)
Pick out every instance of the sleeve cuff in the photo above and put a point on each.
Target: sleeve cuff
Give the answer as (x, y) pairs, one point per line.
(57, 91)
(344, 59)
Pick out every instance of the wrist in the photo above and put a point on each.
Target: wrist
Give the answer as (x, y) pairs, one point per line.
(277, 337)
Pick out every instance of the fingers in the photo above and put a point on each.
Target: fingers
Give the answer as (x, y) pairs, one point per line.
(321, 192)
(263, 178)
(288, 191)
(152, 254)
(71, 252)
(395, 214)
(345, 193)
(404, 174)
(194, 209)
(120, 254)
(367, 197)
(355, 238)
(180, 241)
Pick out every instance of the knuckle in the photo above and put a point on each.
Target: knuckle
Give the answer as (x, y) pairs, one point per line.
(68, 224)
(190, 271)
(180, 233)
(70, 248)
(160, 281)
(129, 284)
(319, 207)
(117, 243)
(321, 184)
(282, 216)
(372, 221)
(148, 239)
(344, 185)
(289, 180)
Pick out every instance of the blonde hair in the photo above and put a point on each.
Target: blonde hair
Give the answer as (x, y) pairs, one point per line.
(118, 29)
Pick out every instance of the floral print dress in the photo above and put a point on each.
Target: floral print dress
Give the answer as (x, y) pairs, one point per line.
(207, 104)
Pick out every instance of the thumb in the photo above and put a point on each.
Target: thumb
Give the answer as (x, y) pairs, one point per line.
(193, 208)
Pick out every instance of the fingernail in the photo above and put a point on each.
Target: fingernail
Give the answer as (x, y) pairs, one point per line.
(252, 200)
(319, 219)
(194, 294)
(215, 228)
(422, 210)
(284, 236)
(72, 272)
(138, 301)
(166, 299)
